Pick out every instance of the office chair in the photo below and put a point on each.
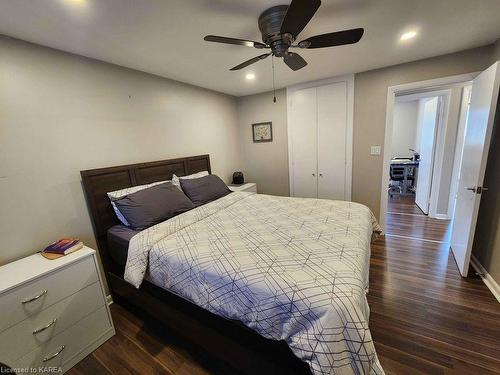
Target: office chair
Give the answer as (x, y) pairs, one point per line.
(397, 175)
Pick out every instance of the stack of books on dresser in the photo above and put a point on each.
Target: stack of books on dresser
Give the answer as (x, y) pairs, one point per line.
(62, 247)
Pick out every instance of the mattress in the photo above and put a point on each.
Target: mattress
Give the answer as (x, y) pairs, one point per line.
(291, 269)
(118, 238)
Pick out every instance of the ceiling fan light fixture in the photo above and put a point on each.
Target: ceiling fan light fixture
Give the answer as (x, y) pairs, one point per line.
(280, 25)
(250, 76)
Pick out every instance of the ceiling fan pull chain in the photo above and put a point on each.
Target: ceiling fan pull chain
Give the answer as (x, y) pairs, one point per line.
(274, 86)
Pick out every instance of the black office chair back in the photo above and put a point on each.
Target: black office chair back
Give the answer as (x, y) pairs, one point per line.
(397, 173)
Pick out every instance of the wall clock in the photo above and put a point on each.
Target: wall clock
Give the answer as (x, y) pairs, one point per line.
(262, 132)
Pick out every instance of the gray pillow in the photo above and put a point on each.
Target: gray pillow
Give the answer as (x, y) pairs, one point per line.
(153, 205)
(204, 189)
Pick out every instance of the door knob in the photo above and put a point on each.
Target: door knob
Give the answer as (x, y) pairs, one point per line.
(471, 189)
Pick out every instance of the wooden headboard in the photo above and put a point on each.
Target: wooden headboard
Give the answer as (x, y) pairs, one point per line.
(97, 182)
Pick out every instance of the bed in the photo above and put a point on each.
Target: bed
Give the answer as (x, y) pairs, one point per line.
(273, 285)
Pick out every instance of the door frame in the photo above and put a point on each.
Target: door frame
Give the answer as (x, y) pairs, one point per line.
(349, 79)
(440, 131)
(457, 158)
(408, 88)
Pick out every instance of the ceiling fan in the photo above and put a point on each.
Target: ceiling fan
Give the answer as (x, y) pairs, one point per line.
(280, 26)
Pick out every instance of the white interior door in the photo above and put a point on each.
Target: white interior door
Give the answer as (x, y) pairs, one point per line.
(332, 128)
(479, 126)
(427, 141)
(303, 128)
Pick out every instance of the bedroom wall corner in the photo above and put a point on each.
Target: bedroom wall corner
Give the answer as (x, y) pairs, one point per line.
(496, 51)
(265, 163)
(61, 113)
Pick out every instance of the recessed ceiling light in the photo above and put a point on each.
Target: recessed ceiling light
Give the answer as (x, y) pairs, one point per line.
(250, 76)
(79, 3)
(408, 35)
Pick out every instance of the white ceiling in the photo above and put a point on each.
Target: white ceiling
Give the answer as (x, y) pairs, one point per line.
(165, 37)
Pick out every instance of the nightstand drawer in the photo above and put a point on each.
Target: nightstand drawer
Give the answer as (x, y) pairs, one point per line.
(69, 343)
(38, 329)
(34, 296)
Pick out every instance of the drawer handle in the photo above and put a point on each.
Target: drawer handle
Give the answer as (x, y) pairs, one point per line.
(59, 351)
(31, 299)
(48, 325)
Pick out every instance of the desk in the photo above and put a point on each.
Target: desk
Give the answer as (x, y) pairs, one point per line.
(410, 168)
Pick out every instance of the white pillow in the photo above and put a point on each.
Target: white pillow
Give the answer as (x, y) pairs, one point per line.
(176, 182)
(117, 194)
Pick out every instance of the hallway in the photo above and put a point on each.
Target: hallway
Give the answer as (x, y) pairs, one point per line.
(405, 219)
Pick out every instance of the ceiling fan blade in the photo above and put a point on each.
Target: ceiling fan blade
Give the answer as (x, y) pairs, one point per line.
(333, 39)
(294, 60)
(298, 15)
(239, 42)
(250, 62)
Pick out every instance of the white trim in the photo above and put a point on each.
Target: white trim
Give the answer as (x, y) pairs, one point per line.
(415, 238)
(442, 217)
(404, 213)
(490, 283)
(459, 146)
(349, 137)
(349, 79)
(407, 88)
(109, 299)
(437, 167)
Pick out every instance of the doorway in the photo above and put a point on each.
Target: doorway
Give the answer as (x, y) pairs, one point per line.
(426, 121)
(417, 119)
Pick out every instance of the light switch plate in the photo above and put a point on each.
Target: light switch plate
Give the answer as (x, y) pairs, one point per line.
(375, 150)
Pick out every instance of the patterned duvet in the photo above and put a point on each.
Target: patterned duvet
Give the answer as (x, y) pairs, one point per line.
(291, 269)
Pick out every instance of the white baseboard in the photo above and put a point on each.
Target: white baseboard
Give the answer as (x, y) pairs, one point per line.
(442, 217)
(109, 299)
(487, 279)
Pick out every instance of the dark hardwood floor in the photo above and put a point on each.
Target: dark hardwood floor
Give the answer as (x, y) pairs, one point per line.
(142, 346)
(404, 218)
(425, 318)
(404, 205)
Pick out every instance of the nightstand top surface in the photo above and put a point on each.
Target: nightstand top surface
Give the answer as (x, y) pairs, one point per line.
(20, 271)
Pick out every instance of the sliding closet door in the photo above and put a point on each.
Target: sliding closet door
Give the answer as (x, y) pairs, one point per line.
(303, 129)
(332, 134)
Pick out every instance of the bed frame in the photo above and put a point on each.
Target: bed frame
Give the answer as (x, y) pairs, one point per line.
(228, 341)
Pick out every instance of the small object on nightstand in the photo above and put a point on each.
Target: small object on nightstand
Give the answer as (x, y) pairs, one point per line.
(238, 178)
(249, 186)
(62, 247)
(54, 313)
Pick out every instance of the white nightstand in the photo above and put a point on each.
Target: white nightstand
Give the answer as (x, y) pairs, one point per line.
(250, 186)
(53, 312)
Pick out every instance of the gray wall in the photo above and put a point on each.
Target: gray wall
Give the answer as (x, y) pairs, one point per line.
(265, 163)
(370, 97)
(404, 131)
(60, 113)
(496, 52)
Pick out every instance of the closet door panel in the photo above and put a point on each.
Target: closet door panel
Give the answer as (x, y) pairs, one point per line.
(304, 143)
(332, 128)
